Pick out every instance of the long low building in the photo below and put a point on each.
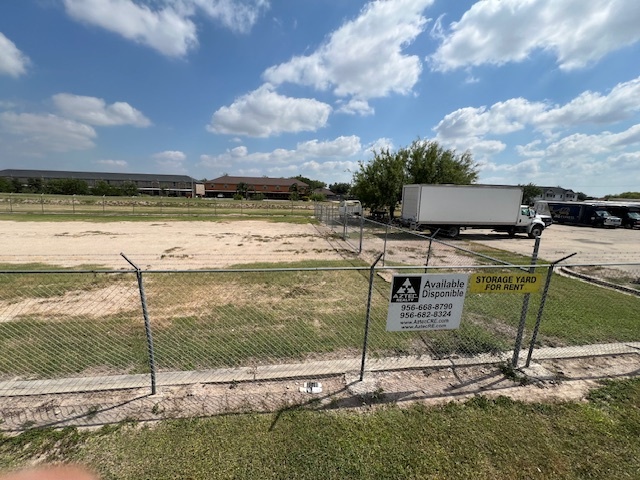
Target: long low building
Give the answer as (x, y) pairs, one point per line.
(273, 188)
(149, 184)
(172, 185)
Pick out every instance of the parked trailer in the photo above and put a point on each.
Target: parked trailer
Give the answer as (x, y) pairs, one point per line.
(595, 214)
(450, 208)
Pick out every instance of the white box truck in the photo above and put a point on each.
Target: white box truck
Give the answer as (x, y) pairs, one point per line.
(450, 208)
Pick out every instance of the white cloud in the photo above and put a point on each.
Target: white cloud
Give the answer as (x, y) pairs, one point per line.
(171, 155)
(171, 161)
(12, 61)
(469, 125)
(576, 32)
(239, 16)
(38, 133)
(581, 145)
(239, 158)
(363, 58)
(264, 112)
(626, 162)
(592, 107)
(95, 111)
(167, 29)
(502, 117)
(340, 147)
(380, 144)
(356, 107)
(113, 163)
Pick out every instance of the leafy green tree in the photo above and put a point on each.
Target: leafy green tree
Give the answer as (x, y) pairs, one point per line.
(341, 189)
(313, 184)
(428, 162)
(529, 192)
(67, 186)
(6, 186)
(128, 189)
(378, 183)
(632, 195)
(103, 188)
(16, 185)
(242, 189)
(294, 192)
(34, 185)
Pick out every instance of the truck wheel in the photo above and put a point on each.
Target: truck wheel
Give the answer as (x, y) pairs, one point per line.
(453, 232)
(511, 232)
(536, 231)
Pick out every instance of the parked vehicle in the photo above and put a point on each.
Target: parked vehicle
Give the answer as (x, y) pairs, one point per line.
(594, 214)
(350, 207)
(450, 208)
(629, 213)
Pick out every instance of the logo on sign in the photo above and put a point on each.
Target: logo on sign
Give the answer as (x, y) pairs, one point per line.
(405, 289)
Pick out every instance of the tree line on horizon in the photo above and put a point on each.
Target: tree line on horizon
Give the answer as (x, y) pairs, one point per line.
(67, 186)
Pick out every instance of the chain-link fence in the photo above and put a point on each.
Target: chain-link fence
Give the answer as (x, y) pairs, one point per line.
(242, 332)
(25, 203)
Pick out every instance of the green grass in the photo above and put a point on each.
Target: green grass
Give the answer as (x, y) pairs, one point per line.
(480, 439)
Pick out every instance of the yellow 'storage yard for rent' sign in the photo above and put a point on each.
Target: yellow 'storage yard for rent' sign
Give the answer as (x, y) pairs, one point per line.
(505, 282)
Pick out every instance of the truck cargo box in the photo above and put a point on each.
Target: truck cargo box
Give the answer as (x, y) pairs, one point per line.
(467, 205)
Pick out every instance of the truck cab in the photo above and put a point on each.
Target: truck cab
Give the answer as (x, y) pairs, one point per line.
(602, 218)
(530, 222)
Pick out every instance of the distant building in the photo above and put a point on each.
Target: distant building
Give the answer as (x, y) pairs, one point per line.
(557, 194)
(149, 184)
(272, 188)
(328, 194)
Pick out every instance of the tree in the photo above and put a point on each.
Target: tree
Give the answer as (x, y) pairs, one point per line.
(428, 162)
(529, 192)
(34, 185)
(630, 195)
(378, 183)
(340, 188)
(294, 192)
(128, 189)
(5, 185)
(67, 186)
(242, 189)
(313, 184)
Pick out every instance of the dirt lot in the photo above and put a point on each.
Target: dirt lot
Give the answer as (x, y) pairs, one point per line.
(163, 245)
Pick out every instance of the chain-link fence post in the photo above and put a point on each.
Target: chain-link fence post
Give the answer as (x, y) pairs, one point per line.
(384, 248)
(368, 316)
(361, 232)
(525, 308)
(147, 324)
(543, 300)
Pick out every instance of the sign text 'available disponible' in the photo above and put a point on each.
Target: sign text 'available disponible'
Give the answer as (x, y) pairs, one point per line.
(426, 302)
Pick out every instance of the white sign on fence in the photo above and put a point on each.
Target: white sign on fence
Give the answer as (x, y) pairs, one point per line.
(426, 302)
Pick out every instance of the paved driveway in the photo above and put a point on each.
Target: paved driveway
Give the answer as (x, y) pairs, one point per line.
(596, 245)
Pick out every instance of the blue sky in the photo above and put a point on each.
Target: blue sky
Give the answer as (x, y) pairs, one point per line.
(541, 91)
